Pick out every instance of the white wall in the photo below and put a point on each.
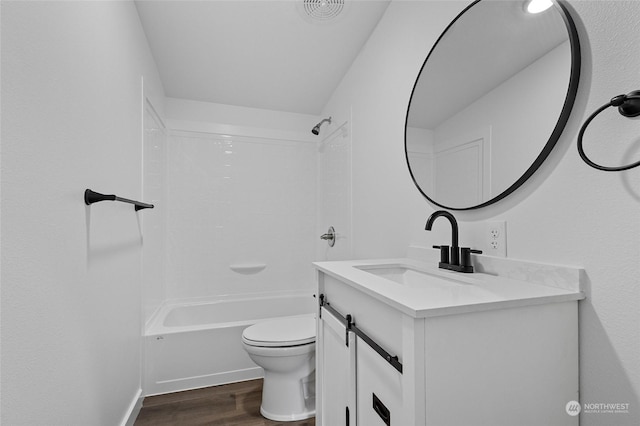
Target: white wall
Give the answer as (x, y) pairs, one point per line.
(241, 190)
(71, 292)
(566, 214)
(220, 117)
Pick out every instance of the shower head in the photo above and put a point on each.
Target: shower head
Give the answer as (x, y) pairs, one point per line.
(316, 129)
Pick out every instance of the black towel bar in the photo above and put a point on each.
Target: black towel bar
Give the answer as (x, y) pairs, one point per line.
(91, 197)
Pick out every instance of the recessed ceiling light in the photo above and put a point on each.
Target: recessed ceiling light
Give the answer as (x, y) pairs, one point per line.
(537, 6)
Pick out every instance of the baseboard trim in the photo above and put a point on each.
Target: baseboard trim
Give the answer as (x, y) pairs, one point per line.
(178, 385)
(134, 409)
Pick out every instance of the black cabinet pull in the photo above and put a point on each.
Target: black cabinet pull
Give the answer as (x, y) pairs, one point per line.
(382, 411)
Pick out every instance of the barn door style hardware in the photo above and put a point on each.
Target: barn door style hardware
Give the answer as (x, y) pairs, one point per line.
(351, 328)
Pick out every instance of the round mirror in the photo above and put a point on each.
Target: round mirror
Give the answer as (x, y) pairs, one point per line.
(490, 102)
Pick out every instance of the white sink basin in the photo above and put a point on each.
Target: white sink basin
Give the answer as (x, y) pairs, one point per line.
(416, 277)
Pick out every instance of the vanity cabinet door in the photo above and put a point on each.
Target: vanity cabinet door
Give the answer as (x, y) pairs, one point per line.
(379, 389)
(335, 373)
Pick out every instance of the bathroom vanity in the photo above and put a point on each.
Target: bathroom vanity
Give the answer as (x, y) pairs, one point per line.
(401, 342)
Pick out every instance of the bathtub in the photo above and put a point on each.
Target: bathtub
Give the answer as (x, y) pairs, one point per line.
(190, 345)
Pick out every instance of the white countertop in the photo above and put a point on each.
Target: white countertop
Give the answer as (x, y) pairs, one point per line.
(442, 296)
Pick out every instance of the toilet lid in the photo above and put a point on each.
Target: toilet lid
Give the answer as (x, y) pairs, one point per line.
(281, 332)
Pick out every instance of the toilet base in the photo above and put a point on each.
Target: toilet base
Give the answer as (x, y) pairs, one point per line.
(284, 399)
(292, 418)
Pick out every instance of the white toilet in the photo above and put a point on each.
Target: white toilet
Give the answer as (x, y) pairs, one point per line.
(285, 349)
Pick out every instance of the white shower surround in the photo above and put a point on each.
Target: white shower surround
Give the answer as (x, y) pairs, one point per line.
(247, 197)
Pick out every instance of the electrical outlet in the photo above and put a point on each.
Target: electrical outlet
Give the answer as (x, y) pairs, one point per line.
(497, 238)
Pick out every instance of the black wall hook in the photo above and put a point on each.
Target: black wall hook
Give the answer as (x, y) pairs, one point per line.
(628, 106)
(91, 197)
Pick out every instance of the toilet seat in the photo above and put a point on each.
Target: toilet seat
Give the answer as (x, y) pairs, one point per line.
(281, 332)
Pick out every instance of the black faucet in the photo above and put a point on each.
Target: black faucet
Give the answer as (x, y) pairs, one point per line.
(452, 258)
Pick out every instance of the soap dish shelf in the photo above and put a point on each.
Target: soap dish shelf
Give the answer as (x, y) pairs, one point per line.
(248, 268)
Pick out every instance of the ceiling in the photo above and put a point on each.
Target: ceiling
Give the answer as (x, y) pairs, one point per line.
(263, 54)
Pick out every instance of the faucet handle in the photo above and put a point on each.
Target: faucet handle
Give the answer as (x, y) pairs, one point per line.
(330, 236)
(465, 255)
(444, 253)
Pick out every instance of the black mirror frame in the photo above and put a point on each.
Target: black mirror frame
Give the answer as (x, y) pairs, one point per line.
(572, 91)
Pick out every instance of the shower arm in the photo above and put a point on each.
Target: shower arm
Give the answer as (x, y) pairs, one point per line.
(324, 120)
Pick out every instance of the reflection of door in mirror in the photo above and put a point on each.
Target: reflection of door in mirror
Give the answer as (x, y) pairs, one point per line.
(461, 169)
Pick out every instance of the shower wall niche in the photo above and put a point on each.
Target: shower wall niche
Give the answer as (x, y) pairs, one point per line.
(235, 201)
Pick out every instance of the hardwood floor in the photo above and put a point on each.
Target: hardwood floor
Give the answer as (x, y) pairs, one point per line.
(235, 404)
